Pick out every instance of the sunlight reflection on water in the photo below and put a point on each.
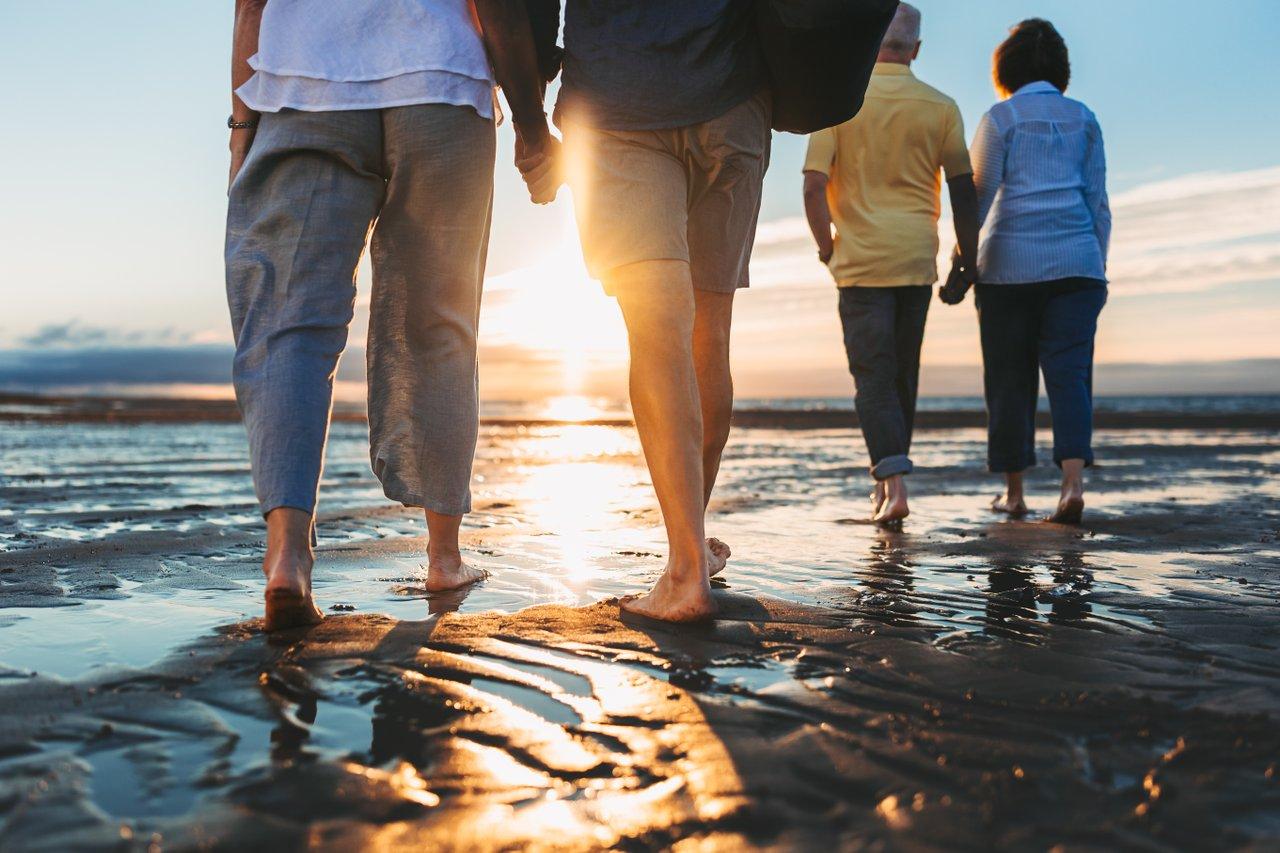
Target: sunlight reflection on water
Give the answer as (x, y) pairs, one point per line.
(565, 514)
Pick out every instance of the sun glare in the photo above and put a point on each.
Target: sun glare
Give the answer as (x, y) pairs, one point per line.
(572, 408)
(552, 312)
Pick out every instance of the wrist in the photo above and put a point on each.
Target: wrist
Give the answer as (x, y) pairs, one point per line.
(533, 133)
(241, 138)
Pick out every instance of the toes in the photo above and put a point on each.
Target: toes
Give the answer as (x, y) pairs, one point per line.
(634, 604)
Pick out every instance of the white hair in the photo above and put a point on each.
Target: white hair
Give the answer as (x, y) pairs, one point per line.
(904, 33)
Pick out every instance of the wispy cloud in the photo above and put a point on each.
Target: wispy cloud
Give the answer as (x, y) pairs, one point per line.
(74, 334)
(1185, 234)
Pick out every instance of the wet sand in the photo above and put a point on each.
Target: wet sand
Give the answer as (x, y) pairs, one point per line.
(970, 682)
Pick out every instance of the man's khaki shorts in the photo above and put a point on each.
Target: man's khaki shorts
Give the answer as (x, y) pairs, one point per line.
(689, 194)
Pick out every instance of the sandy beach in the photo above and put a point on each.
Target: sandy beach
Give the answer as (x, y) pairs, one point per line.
(966, 683)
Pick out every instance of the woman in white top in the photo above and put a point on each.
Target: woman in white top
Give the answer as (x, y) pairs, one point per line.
(351, 119)
(1040, 170)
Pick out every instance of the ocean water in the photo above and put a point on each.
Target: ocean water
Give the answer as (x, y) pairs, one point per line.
(1155, 403)
(165, 517)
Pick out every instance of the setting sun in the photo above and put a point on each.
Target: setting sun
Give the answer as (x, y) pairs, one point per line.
(551, 313)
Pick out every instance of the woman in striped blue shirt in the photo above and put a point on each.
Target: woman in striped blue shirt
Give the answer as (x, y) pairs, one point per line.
(1040, 170)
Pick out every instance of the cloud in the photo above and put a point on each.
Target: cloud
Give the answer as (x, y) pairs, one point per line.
(77, 335)
(63, 365)
(1193, 233)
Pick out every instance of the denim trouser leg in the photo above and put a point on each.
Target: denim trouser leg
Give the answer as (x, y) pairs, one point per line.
(883, 331)
(1009, 324)
(1067, 329)
(913, 312)
(298, 214)
(428, 253)
(1028, 328)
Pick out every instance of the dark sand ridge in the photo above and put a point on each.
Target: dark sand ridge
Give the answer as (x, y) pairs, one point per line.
(32, 408)
(967, 683)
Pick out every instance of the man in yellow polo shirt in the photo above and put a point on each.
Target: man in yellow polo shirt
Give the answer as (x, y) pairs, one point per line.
(878, 179)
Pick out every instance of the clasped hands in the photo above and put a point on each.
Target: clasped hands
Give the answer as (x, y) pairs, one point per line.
(960, 279)
(541, 163)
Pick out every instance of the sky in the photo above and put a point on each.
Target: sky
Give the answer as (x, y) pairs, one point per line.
(112, 201)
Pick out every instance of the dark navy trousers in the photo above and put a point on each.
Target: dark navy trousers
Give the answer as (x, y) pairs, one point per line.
(1027, 329)
(883, 332)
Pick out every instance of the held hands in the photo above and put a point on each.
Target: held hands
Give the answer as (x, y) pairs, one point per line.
(540, 161)
(958, 283)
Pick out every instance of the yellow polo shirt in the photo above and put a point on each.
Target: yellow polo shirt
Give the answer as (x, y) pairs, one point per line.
(885, 190)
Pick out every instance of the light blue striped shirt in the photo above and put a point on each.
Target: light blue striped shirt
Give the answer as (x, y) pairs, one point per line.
(1041, 174)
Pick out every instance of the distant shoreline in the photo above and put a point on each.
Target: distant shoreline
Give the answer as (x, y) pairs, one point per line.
(34, 408)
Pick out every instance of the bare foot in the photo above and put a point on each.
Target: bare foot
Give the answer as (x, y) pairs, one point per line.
(671, 600)
(288, 601)
(878, 498)
(1014, 506)
(894, 509)
(449, 572)
(719, 550)
(1070, 506)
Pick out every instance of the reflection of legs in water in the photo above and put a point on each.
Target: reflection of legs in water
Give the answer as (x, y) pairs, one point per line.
(1070, 605)
(657, 304)
(1011, 603)
(712, 317)
(889, 565)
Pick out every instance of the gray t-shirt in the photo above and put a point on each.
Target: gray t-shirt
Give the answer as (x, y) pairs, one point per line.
(651, 64)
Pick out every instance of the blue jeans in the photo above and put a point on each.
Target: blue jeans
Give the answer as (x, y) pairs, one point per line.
(1026, 329)
(883, 331)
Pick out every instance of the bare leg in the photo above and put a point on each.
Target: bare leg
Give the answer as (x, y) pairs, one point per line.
(1071, 503)
(287, 565)
(1012, 501)
(712, 318)
(445, 569)
(657, 303)
(894, 509)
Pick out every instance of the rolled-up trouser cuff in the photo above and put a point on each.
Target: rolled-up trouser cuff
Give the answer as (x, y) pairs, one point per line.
(891, 467)
(1086, 455)
(1010, 466)
(436, 506)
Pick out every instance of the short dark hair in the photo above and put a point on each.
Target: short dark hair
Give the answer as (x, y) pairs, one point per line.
(1033, 51)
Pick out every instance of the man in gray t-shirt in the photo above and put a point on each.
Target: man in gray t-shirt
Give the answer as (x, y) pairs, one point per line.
(658, 64)
(666, 129)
